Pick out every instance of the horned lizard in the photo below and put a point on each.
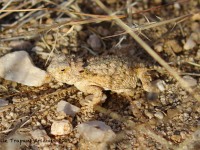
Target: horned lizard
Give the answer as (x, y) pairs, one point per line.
(113, 73)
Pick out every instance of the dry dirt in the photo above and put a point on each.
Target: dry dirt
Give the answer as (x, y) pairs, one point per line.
(168, 120)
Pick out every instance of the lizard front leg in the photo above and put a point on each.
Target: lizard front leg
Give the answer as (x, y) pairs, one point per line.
(95, 91)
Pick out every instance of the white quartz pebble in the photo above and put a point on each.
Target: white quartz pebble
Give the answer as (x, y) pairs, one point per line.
(159, 115)
(160, 84)
(96, 131)
(18, 67)
(67, 108)
(190, 43)
(62, 127)
(3, 102)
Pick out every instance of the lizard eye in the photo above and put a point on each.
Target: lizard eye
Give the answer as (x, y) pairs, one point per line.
(63, 70)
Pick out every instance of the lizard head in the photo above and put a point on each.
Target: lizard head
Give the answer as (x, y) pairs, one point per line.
(65, 69)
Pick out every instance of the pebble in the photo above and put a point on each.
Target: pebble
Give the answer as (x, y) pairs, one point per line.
(102, 31)
(174, 45)
(3, 102)
(62, 127)
(18, 67)
(94, 42)
(177, 6)
(96, 131)
(176, 138)
(190, 80)
(159, 115)
(37, 49)
(15, 141)
(196, 17)
(172, 113)
(158, 47)
(190, 44)
(67, 108)
(163, 100)
(41, 135)
(78, 27)
(160, 84)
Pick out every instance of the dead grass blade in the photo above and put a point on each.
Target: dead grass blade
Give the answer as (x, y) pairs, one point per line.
(21, 10)
(154, 24)
(194, 64)
(18, 7)
(65, 23)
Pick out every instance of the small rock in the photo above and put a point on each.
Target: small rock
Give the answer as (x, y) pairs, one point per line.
(37, 49)
(158, 47)
(160, 84)
(174, 45)
(40, 136)
(3, 102)
(15, 141)
(191, 81)
(96, 131)
(172, 113)
(159, 115)
(176, 138)
(102, 31)
(196, 17)
(62, 127)
(78, 27)
(152, 122)
(183, 134)
(94, 42)
(67, 108)
(163, 100)
(190, 43)
(18, 67)
(177, 6)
